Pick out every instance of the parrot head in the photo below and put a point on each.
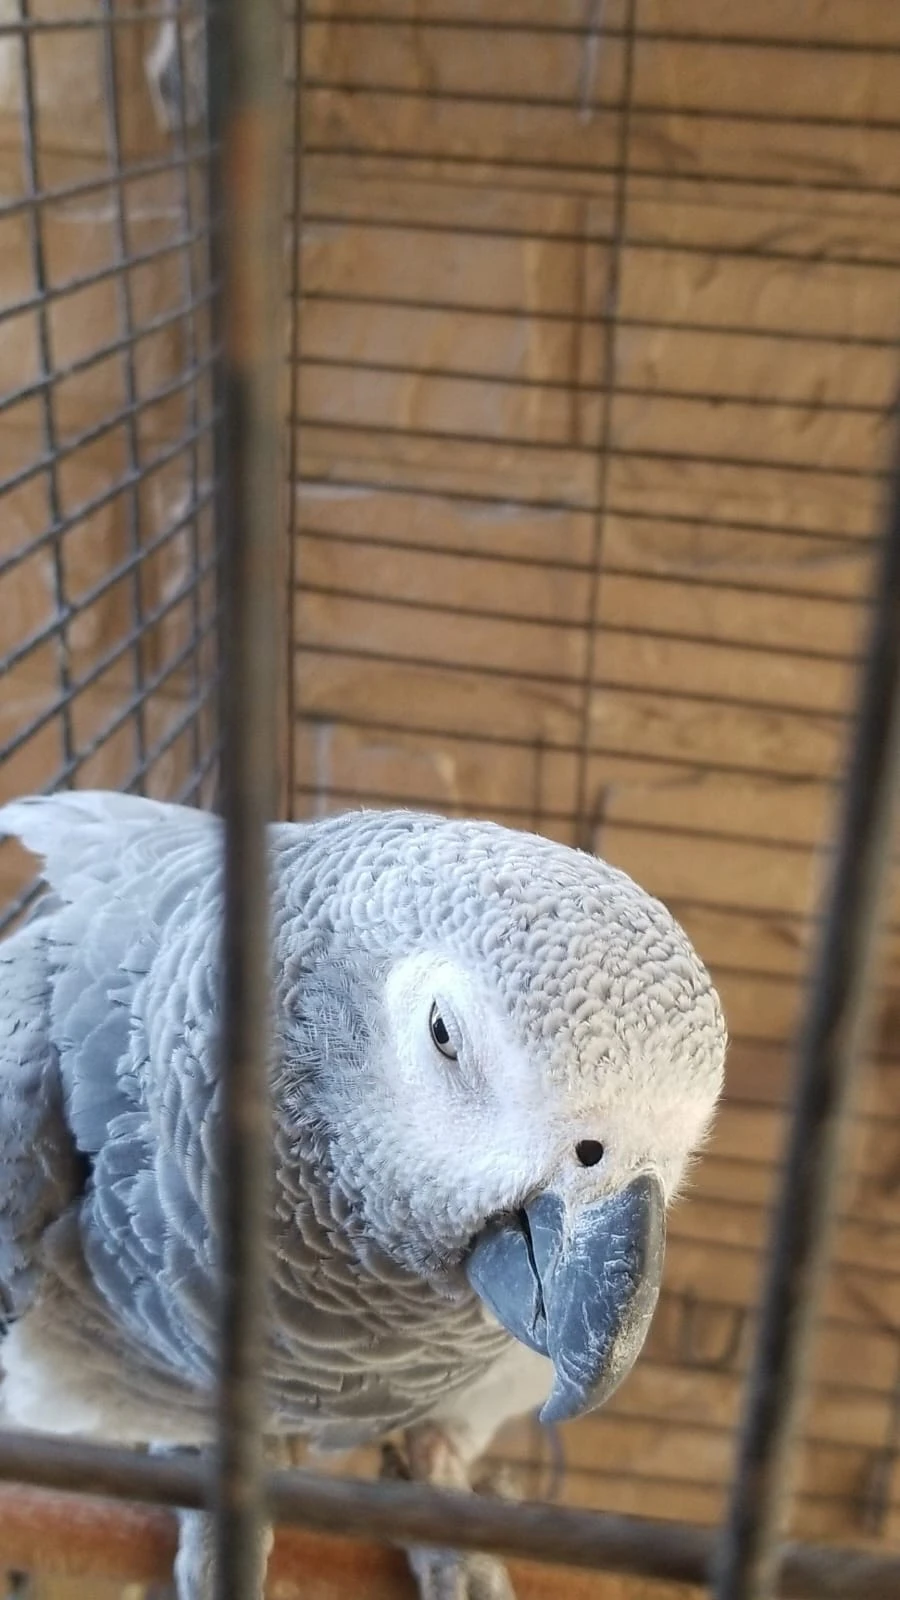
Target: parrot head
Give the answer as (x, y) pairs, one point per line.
(512, 1053)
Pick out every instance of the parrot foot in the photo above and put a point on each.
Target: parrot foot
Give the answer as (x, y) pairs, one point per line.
(429, 1457)
(195, 1561)
(455, 1575)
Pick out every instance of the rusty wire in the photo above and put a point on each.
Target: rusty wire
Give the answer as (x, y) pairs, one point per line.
(245, 111)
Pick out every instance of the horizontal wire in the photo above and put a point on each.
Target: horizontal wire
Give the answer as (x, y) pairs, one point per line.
(546, 181)
(88, 508)
(89, 280)
(510, 674)
(546, 742)
(852, 185)
(885, 1276)
(343, 484)
(531, 314)
(717, 38)
(686, 1422)
(65, 773)
(128, 172)
(78, 686)
(201, 698)
(877, 1226)
(72, 369)
(575, 625)
(525, 813)
(652, 1477)
(861, 542)
(672, 575)
(579, 388)
(122, 18)
(99, 430)
(808, 469)
(752, 250)
(827, 1322)
(90, 597)
(441, 94)
(733, 1374)
(559, 815)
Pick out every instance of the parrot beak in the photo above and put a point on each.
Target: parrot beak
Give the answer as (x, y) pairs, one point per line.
(581, 1290)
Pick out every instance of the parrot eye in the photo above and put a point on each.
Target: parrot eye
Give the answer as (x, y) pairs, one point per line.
(440, 1034)
(589, 1152)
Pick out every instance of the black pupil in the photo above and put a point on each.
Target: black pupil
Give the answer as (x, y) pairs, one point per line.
(589, 1152)
(439, 1029)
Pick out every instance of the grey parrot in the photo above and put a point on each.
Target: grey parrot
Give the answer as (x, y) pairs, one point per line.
(493, 1059)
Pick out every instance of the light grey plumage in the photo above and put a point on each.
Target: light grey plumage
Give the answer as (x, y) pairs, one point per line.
(576, 1009)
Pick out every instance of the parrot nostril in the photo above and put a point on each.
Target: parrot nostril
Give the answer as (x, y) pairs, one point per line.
(589, 1152)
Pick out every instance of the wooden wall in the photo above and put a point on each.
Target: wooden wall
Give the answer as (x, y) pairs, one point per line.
(593, 332)
(598, 328)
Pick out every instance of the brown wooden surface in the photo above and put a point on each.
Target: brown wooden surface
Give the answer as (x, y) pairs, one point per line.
(71, 1541)
(459, 262)
(457, 378)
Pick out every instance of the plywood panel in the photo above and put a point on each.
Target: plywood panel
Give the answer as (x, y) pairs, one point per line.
(750, 79)
(436, 13)
(521, 413)
(765, 220)
(474, 506)
(720, 555)
(489, 527)
(861, 24)
(479, 63)
(768, 495)
(356, 457)
(413, 633)
(466, 341)
(540, 276)
(473, 128)
(464, 204)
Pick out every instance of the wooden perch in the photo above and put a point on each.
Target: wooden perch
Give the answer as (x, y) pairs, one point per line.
(71, 1536)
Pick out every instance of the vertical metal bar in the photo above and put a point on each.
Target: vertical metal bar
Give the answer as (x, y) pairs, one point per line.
(245, 97)
(112, 97)
(829, 1049)
(192, 345)
(45, 359)
(605, 442)
(294, 359)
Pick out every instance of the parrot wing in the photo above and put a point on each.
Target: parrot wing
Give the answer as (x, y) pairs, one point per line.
(107, 1032)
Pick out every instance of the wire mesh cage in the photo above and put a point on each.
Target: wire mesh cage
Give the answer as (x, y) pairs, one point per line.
(108, 556)
(590, 341)
(597, 347)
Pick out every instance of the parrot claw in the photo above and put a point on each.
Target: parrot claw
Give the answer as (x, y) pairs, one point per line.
(446, 1574)
(195, 1561)
(451, 1575)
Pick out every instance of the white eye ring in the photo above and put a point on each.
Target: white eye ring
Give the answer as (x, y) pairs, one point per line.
(440, 1034)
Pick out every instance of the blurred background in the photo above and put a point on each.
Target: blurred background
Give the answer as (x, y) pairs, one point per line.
(591, 341)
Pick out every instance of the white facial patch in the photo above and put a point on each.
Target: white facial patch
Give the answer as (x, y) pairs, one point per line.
(479, 1119)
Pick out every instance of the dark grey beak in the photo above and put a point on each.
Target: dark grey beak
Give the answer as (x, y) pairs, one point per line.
(583, 1294)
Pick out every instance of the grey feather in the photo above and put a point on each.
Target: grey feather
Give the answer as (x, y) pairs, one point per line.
(108, 1064)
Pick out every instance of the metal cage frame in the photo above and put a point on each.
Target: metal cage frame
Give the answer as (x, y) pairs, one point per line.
(747, 1558)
